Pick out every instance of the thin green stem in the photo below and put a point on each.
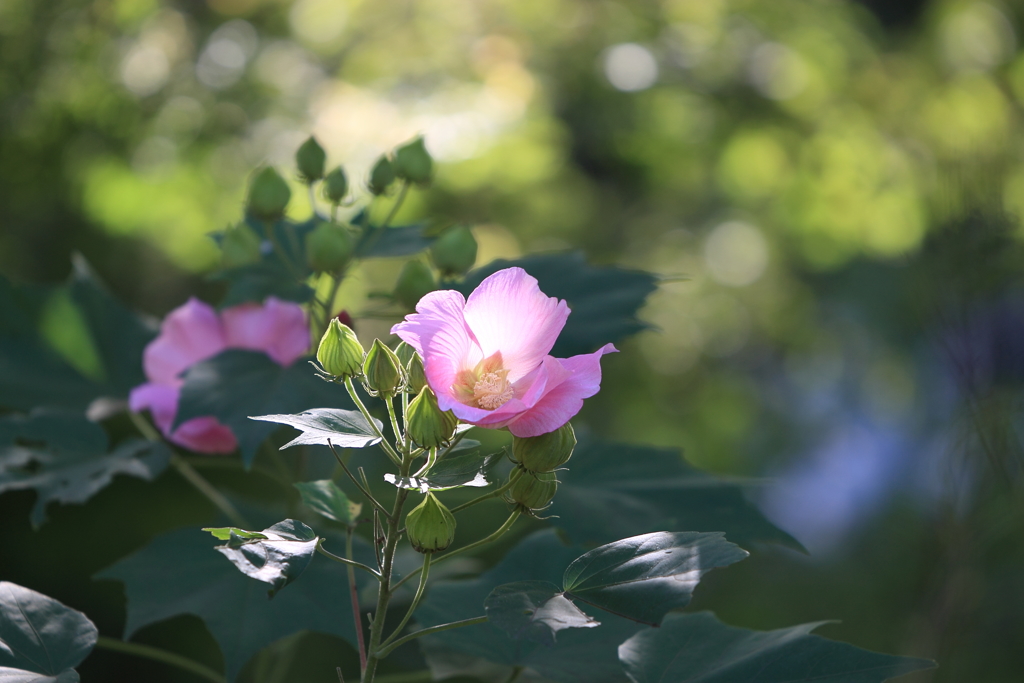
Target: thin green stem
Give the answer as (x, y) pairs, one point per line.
(363, 490)
(405, 423)
(390, 403)
(271, 234)
(379, 230)
(476, 544)
(395, 458)
(352, 564)
(424, 572)
(158, 655)
(487, 496)
(353, 592)
(328, 303)
(206, 488)
(147, 430)
(429, 631)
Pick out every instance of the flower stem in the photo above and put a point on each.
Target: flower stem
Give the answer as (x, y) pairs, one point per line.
(207, 489)
(363, 490)
(353, 592)
(158, 655)
(430, 631)
(424, 572)
(399, 439)
(493, 537)
(379, 230)
(493, 494)
(352, 564)
(395, 458)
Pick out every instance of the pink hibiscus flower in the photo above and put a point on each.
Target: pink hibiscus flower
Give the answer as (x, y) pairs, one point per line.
(487, 358)
(194, 332)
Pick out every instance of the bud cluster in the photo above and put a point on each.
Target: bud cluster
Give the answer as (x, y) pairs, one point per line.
(537, 458)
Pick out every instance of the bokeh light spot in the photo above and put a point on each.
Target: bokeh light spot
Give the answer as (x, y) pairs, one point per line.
(630, 67)
(736, 254)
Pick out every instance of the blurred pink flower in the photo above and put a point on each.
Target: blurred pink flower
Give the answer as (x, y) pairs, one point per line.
(487, 358)
(194, 332)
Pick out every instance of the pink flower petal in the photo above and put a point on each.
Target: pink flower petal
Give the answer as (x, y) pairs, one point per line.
(277, 328)
(161, 400)
(439, 334)
(190, 333)
(561, 403)
(507, 312)
(205, 435)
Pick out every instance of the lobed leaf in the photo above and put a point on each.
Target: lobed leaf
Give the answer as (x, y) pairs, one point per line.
(450, 472)
(697, 648)
(40, 638)
(645, 577)
(277, 555)
(397, 241)
(343, 428)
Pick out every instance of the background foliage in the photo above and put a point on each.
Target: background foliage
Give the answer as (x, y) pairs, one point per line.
(837, 182)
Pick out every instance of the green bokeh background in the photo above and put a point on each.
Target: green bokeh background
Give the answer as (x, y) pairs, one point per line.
(829, 189)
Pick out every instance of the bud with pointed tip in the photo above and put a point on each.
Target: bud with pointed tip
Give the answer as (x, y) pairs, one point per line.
(336, 185)
(534, 490)
(269, 194)
(413, 162)
(311, 158)
(454, 252)
(417, 375)
(430, 525)
(381, 176)
(340, 353)
(328, 248)
(428, 425)
(544, 453)
(405, 353)
(382, 371)
(240, 246)
(414, 282)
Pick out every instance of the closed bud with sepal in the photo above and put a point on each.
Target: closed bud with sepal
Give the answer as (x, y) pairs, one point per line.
(430, 525)
(544, 453)
(454, 252)
(328, 248)
(415, 281)
(340, 353)
(533, 490)
(336, 185)
(269, 194)
(426, 423)
(382, 370)
(413, 162)
(381, 176)
(310, 158)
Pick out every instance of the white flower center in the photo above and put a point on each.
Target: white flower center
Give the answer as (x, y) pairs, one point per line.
(492, 390)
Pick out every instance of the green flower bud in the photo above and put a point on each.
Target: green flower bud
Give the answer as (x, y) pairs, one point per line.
(336, 185)
(382, 370)
(414, 282)
(240, 246)
(426, 424)
(268, 194)
(544, 453)
(340, 353)
(311, 158)
(430, 525)
(417, 376)
(328, 248)
(405, 354)
(533, 490)
(454, 252)
(413, 162)
(381, 176)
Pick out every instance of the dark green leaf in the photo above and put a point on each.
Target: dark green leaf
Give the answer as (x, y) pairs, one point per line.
(603, 301)
(697, 648)
(449, 472)
(644, 577)
(178, 574)
(278, 558)
(257, 281)
(325, 498)
(534, 610)
(41, 640)
(581, 655)
(614, 490)
(398, 241)
(236, 384)
(63, 456)
(343, 428)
